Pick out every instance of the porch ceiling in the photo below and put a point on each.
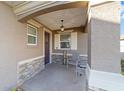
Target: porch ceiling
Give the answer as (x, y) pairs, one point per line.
(50, 13)
(74, 17)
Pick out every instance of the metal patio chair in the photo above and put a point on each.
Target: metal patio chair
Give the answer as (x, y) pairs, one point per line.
(79, 64)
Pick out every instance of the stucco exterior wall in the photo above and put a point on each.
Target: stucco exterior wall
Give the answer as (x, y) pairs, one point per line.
(13, 46)
(82, 42)
(105, 37)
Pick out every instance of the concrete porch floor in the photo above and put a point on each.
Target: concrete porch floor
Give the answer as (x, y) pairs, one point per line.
(56, 77)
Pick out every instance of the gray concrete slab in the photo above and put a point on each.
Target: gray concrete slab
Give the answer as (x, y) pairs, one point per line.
(56, 77)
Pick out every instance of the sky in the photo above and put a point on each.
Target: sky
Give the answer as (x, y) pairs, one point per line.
(122, 19)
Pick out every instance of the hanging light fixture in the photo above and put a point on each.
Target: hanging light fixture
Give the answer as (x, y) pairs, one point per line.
(62, 27)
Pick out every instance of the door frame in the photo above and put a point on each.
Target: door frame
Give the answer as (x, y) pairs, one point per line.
(50, 45)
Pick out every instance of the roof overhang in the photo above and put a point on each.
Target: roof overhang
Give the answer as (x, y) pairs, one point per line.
(30, 9)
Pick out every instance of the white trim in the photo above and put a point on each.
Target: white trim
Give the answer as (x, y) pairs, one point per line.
(28, 7)
(34, 23)
(65, 41)
(32, 44)
(68, 54)
(56, 41)
(84, 55)
(32, 35)
(74, 38)
(72, 41)
(36, 36)
(61, 54)
(50, 32)
(28, 60)
(31, 25)
(64, 49)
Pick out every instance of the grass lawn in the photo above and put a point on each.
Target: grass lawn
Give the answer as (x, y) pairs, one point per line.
(122, 67)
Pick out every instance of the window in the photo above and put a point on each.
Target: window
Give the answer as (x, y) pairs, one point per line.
(65, 41)
(32, 35)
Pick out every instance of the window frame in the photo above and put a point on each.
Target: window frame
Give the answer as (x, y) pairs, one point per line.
(65, 41)
(30, 44)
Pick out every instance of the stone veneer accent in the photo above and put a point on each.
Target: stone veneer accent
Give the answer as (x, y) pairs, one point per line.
(59, 58)
(29, 68)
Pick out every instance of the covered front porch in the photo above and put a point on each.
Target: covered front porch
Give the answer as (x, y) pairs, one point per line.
(33, 39)
(63, 28)
(56, 77)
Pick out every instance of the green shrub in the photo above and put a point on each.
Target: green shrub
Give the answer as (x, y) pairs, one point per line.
(122, 62)
(122, 67)
(122, 73)
(13, 89)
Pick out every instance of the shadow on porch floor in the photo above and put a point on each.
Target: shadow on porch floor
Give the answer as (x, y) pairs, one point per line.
(56, 77)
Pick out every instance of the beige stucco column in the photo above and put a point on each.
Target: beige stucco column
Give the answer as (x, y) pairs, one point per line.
(105, 37)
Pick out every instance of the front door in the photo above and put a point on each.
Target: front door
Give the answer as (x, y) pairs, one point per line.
(47, 47)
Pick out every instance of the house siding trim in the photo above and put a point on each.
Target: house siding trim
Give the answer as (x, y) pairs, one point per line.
(68, 54)
(58, 58)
